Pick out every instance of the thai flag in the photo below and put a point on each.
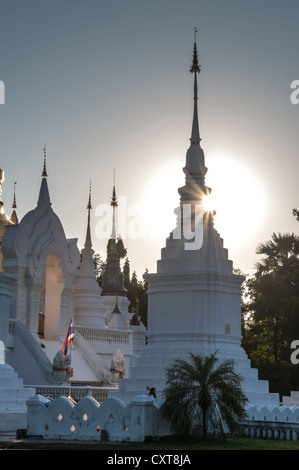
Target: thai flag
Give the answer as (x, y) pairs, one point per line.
(68, 339)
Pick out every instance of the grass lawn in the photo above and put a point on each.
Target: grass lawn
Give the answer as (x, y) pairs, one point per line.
(169, 444)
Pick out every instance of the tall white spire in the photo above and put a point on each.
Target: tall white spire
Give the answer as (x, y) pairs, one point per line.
(195, 169)
(89, 310)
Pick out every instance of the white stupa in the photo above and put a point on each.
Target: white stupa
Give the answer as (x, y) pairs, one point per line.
(89, 309)
(194, 299)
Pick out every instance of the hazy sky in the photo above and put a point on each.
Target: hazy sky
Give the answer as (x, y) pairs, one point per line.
(106, 85)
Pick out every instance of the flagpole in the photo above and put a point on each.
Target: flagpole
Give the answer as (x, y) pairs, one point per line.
(70, 369)
(67, 345)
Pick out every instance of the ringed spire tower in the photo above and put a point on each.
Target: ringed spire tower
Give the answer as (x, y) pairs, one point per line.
(112, 282)
(194, 190)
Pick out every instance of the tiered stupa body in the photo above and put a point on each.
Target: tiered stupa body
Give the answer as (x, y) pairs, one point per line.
(194, 299)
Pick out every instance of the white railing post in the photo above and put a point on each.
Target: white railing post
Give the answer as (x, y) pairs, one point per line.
(35, 415)
(141, 418)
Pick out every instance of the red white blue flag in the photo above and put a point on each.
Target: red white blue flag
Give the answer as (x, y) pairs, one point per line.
(68, 339)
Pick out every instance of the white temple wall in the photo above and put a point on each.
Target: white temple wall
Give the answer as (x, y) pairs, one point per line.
(34, 289)
(6, 288)
(53, 289)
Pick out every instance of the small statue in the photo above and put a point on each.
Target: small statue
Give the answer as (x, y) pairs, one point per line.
(117, 366)
(62, 367)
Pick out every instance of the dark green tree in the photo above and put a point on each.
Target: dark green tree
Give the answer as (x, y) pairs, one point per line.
(120, 247)
(296, 213)
(137, 295)
(126, 274)
(99, 267)
(203, 396)
(274, 295)
(273, 307)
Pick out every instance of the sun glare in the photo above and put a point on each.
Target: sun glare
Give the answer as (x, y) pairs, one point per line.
(209, 203)
(237, 196)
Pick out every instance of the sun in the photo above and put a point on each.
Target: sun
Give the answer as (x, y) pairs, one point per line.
(209, 202)
(237, 196)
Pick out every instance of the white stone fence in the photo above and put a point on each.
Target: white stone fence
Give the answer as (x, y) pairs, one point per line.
(114, 420)
(272, 422)
(111, 420)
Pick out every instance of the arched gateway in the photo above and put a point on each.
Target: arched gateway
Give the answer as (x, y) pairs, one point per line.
(45, 263)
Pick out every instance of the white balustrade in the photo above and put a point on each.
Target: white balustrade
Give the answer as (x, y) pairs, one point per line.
(103, 336)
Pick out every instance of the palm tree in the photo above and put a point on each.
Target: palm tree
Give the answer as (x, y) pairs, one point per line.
(203, 395)
(274, 295)
(281, 250)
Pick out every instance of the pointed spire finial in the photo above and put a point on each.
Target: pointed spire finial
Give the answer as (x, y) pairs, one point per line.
(114, 205)
(114, 198)
(44, 173)
(14, 204)
(44, 197)
(89, 206)
(14, 217)
(195, 67)
(88, 243)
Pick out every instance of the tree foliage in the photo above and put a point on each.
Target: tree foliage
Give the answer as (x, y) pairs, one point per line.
(203, 396)
(274, 296)
(136, 292)
(273, 310)
(296, 213)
